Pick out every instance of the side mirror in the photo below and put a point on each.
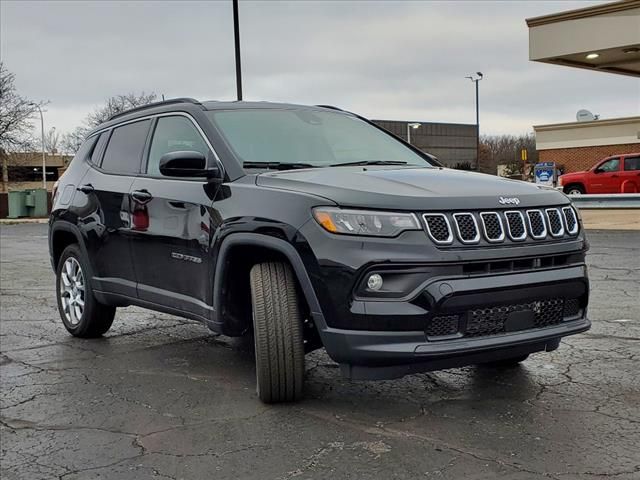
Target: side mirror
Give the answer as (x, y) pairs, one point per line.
(186, 164)
(598, 170)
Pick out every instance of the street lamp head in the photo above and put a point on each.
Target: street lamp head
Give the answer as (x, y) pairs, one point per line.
(479, 74)
(414, 125)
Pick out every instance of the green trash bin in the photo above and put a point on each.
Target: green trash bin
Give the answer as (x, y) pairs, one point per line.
(17, 204)
(36, 202)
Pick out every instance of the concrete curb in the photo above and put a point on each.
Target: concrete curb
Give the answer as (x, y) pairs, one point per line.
(17, 221)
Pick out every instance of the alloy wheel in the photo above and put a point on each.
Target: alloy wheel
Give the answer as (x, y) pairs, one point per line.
(72, 290)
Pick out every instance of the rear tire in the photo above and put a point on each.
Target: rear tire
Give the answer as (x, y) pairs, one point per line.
(82, 315)
(277, 328)
(508, 362)
(574, 189)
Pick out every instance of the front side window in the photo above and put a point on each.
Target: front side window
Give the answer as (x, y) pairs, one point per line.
(308, 137)
(174, 134)
(612, 165)
(632, 163)
(124, 151)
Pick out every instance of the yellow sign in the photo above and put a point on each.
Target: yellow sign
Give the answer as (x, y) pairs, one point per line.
(523, 154)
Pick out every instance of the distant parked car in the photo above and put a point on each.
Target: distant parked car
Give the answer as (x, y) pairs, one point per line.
(615, 174)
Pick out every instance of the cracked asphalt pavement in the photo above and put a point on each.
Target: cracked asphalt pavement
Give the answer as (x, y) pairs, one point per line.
(162, 397)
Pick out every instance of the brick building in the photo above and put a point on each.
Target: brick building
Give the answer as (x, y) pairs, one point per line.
(601, 38)
(577, 146)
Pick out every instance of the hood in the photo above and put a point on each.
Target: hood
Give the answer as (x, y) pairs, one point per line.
(408, 188)
(574, 174)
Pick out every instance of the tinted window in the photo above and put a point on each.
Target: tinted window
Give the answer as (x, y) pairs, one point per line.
(125, 148)
(99, 148)
(612, 165)
(85, 149)
(632, 163)
(174, 134)
(315, 137)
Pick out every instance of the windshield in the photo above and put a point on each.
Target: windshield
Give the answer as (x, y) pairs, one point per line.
(308, 138)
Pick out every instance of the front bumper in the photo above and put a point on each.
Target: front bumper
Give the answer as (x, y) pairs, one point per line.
(390, 354)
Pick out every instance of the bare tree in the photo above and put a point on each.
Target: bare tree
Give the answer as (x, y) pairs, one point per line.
(15, 115)
(71, 141)
(52, 141)
(506, 150)
(119, 103)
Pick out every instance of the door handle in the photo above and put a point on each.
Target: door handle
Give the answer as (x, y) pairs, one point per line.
(87, 188)
(141, 196)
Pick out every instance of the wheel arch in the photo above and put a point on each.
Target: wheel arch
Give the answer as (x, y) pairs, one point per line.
(61, 236)
(252, 248)
(578, 183)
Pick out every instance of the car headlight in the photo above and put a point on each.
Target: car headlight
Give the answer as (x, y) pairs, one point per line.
(365, 222)
(560, 181)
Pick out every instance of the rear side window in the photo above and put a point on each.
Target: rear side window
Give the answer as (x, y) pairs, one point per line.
(125, 147)
(632, 163)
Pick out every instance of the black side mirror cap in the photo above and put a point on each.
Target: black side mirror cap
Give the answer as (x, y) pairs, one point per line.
(187, 164)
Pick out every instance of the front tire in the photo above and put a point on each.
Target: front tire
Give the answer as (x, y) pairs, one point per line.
(82, 315)
(277, 329)
(574, 190)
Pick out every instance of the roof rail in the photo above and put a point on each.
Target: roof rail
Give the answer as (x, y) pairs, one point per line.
(155, 104)
(330, 107)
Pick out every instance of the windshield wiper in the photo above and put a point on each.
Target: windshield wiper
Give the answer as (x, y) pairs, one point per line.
(277, 165)
(369, 162)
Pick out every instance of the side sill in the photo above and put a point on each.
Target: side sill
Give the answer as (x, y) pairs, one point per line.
(120, 300)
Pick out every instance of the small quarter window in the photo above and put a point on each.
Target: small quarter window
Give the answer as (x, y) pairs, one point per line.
(125, 148)
(99, 148)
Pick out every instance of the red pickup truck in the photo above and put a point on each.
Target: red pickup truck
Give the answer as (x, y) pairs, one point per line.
(615, 174)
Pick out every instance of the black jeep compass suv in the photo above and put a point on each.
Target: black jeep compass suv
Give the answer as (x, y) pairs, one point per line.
(311, 227)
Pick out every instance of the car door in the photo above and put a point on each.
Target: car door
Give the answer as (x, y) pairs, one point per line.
(630, 174)
(173, 224)
(605, 178)
(104, 192)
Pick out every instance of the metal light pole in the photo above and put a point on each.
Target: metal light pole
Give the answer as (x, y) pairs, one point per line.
(44, 158)
(409, 127)
(476, 80)
(236, 33)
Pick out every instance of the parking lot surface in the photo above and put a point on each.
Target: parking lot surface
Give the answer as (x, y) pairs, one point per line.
(162, 397)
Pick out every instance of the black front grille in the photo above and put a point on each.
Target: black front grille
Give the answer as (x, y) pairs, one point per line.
(443, 325)
(570, 220)
(491, 320)
(536, 224)
(438, 227)
(467, 228)
(492, 226)
(515, 224)
(555, 222)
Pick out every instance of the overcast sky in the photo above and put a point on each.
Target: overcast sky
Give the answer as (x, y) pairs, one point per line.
(385, 60)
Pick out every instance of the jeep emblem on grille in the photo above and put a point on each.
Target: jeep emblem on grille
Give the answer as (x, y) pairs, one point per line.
(509, 201)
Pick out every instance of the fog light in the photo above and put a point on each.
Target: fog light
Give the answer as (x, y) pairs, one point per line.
(374, 282)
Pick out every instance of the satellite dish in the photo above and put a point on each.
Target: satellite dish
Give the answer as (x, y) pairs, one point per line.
(585, 116)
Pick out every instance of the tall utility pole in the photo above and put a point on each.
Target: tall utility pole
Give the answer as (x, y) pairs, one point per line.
(44, 158)
(476, 80)
(236, 32)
